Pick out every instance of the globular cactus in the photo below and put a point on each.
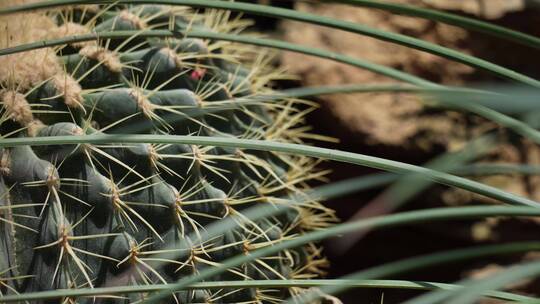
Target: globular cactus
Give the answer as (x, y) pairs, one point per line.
(89, 215)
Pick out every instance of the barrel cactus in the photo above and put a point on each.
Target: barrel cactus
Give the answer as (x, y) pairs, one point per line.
(100, 215)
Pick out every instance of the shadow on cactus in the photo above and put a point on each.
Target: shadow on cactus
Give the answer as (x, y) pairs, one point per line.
(145, 157)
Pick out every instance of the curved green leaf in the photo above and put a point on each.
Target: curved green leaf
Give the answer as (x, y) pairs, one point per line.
(436, 214)
(424, 261)
(473, 289)
(277, 44)
(448, 18)
(503, 120)
(387, 284)
(336, 155)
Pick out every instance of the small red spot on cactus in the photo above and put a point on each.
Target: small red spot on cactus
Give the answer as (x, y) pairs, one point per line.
(197, 74)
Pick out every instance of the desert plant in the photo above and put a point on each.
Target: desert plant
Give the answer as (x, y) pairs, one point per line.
(145, 157)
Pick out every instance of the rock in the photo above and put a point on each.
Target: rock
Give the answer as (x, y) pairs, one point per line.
(488, 9)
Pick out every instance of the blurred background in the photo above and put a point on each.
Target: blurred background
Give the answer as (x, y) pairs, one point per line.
(398, 126)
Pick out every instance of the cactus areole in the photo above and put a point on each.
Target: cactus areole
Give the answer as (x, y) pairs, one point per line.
(88, 215)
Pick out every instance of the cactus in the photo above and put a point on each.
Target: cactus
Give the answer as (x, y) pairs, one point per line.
(97, 215)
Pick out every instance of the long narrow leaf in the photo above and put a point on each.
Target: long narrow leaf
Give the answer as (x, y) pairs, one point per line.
(448, 18)
(376, 68)
(432, 215)
(387, 284)
(503, 120)
(424, 261)
(469, 293)
(262, 145)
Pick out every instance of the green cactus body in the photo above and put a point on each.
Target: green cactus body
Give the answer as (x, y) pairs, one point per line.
(100, 215)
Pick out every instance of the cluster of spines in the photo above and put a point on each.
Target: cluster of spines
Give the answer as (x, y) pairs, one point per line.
(93, 215)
